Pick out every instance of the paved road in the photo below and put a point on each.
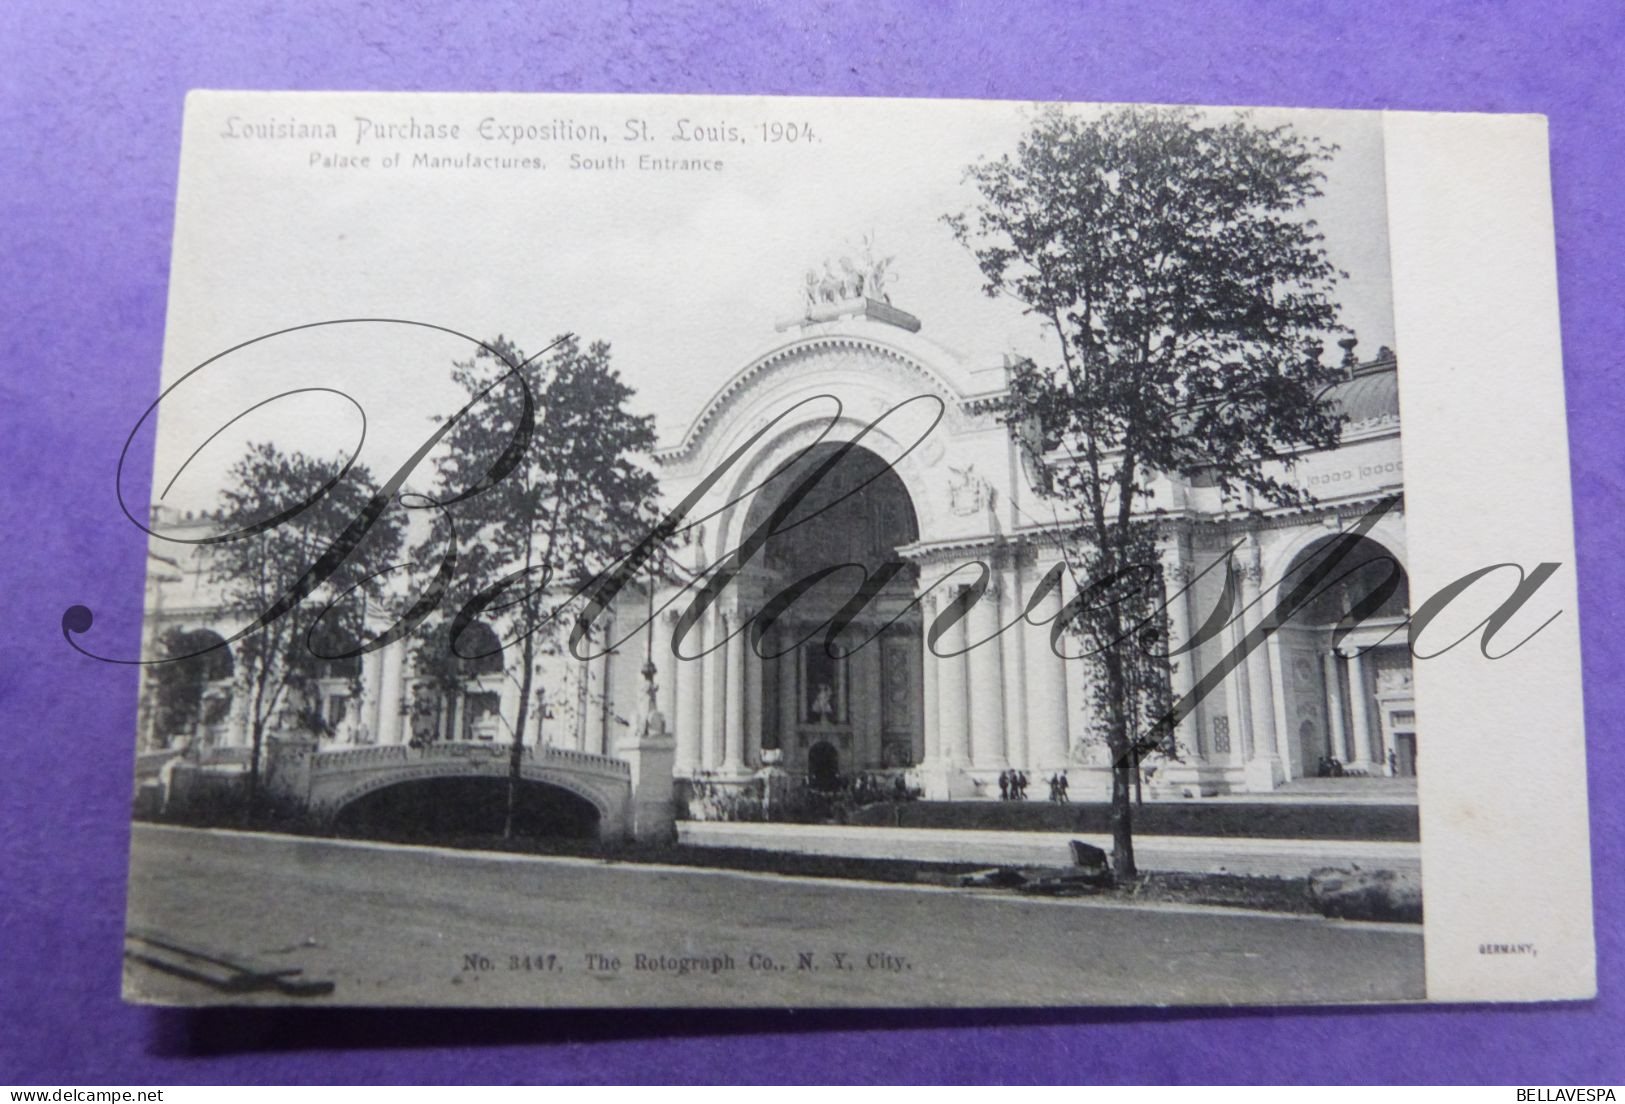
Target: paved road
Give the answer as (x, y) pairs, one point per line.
(397, 925)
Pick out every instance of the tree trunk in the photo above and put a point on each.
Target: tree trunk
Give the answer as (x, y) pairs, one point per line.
(1123, 771)
(254, 768)
(516, 755)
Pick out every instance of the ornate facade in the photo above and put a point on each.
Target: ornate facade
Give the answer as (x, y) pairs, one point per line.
(924, 503)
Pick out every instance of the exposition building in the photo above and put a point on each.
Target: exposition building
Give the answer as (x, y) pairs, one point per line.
(950, 723)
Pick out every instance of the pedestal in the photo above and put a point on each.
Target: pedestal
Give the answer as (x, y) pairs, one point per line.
(652, 754)
(1264, 773)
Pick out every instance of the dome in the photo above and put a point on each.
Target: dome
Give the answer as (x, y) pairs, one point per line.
(1371, 393)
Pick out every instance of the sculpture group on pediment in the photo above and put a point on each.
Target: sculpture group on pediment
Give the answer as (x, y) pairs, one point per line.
(846, 278)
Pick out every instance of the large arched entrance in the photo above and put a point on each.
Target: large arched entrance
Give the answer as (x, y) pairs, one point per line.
(1346, 666)
(859, 695)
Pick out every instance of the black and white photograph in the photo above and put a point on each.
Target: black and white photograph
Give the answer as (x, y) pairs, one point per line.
(655, 551)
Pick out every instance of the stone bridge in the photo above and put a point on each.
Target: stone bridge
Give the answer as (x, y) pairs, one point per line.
(325, 782)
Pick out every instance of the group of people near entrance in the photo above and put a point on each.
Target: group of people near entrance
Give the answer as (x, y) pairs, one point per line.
(1013, 786)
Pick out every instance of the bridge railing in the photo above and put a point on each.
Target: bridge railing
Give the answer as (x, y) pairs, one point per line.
(386, 754)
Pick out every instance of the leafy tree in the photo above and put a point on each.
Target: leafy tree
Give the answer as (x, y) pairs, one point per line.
(279, 663)
(578, 500)
(1190, 297)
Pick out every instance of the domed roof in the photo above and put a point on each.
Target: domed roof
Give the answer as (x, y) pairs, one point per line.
(1371, 393)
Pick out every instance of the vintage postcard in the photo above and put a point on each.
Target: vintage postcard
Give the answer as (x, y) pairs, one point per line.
(648, 551)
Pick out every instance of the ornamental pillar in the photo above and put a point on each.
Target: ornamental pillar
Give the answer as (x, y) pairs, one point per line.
(1334, 709)
(1017, 740)
(1046, 687)
(1365, 748)
(392, 678)
(711, 667)
(755, 723)
(929, 677)
(952, 698)
(1176, 573)
(1264, 770)
(986, 661)
(690, 675)
(733, 695)
(665, 666)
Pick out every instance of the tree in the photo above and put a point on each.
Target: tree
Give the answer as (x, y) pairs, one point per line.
(576, 502)
(279, 662)
(1190, 297)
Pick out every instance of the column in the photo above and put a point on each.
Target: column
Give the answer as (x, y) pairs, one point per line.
(595, 700)
(1017, 743)
(710, 693)
(1265, 770)
(606, 692)
(986, 682)
(665, 667)
(372, 681)
(1334, 708)
(952, 699)
(391, 721)
(755, 723)
(1176, 574)
(1360, 711)
(1285, 737)
(733, 696)
(690, 675)
(1046, 689)
(789, 703)
(928, 677)
(869, 737)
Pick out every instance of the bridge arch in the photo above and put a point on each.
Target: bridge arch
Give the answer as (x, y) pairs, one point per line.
(337, 780)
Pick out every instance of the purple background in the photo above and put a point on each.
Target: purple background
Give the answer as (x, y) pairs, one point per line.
(88, 151)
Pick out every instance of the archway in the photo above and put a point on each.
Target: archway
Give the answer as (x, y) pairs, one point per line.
(462, 809)
(823, 765)
(1346, 666)
(860, 694)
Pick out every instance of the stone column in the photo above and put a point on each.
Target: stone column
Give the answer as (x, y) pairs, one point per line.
(392, 677)
(755, 723)
(1285, 737)
(596, 738)
(986, 683)
(1046, 690)
(733, 696)
(1237, 697)
(1012, 642)
(711, 665)
(665, 666)
(1365, 748)
(1334, 708)
(690, 676)
(1176, 573)
(789, 703)
(372, 682)
(1264, 769)
(952, 698)
(928, 675)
